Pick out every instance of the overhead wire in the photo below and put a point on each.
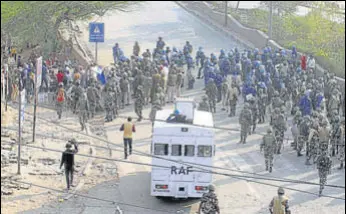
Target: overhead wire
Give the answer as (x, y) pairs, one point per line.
(187, 124)
(261, 177)
(94, 198)
(241, 177)
(187, 163)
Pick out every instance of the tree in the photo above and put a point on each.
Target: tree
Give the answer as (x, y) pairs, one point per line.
(282, 7)
(40, 22)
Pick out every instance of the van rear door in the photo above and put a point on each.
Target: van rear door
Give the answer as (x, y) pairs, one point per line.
(204, 156)
(181, 172)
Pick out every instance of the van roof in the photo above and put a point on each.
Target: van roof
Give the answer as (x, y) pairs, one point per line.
(201, 118)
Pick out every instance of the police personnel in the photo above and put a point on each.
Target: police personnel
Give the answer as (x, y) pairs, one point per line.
(203, 105)
(269, 146)
(209, 202)
(324, 164)
(279, 204)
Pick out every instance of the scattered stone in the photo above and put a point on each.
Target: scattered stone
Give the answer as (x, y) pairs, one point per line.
(25, 186)
(13, 161)
(5, 134)
(5, 191)
(47, 161)
(43, 172)
(6, 147)
(83, 143)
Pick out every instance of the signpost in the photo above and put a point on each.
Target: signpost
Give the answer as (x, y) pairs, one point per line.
(20, 118)
(38, 80)
(6, 98)
(4, 80)
(38, 76)
(96, 34)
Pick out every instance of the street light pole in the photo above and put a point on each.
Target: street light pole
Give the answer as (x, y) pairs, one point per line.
(270, 30)
(226, 12)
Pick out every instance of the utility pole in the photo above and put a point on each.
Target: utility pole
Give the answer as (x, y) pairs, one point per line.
(226, 12)
(96, 47)
(237, 7)
(20, 87)
(35, 109)
(270, 27)
(6, 97)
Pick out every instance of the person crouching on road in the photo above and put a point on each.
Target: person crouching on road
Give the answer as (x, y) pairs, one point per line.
(279, 204)
(68, 161)
(128, 129)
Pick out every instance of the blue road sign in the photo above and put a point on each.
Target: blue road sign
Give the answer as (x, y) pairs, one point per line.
(96, 32)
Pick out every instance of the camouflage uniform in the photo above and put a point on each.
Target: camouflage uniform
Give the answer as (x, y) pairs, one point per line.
(83, 108)
(203, 105)
(262, 105)
(190, 80)
(274, 116)
(304, 130)
(245, 120)
(232, 99)
(118, 95)
(341, 143)
(109, 104)
(156, 106)
(276, 101)
(211, 92)
(324, 136)
(136, 49)
(160, 96)
(139, 102)
(77, 92)
(148, 81)
(333, 102)
(335, 124)
(313, 144)
(324, 164)
(156, 83)
(125, 93)
(224, 92)
(295, 128)
(254, 111)
(209, 202)
(92, 98)
(279, 126)
(269, 145)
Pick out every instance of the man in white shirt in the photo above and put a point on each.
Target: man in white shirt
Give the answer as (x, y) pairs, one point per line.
(311, 63)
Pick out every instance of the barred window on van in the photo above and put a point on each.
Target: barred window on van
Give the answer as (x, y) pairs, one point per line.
(189, 150)
(176, 150)
(161, 149)
(204, 151)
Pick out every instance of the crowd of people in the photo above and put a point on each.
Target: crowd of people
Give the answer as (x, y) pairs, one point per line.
(271, 85)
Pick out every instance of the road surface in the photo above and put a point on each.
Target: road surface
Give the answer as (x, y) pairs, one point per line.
(176, 26)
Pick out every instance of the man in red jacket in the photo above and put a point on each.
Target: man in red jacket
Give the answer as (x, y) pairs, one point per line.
(60, 76)
(303, 62)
